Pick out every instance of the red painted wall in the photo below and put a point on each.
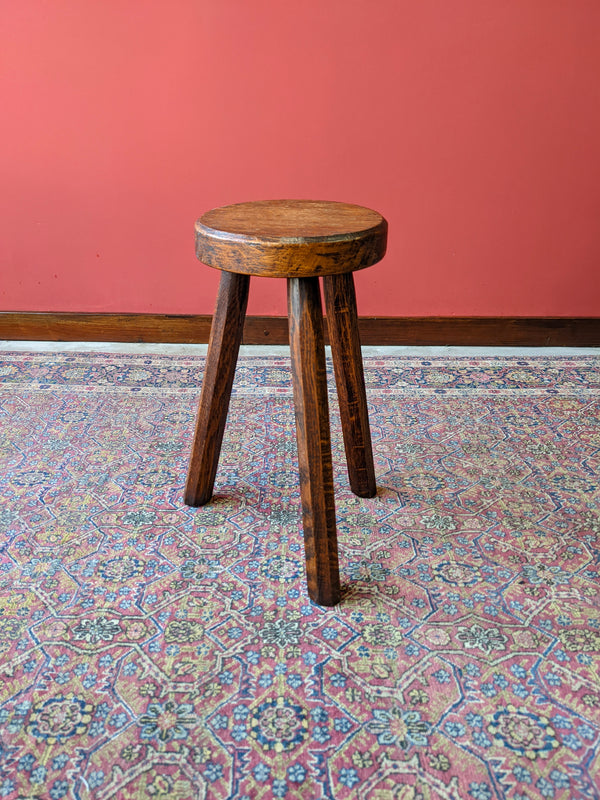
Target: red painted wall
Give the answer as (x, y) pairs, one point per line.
(472, 125)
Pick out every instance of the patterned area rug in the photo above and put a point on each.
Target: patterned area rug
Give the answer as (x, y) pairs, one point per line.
(150, 650)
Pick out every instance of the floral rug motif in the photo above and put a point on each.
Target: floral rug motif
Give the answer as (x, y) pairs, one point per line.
(151, 650)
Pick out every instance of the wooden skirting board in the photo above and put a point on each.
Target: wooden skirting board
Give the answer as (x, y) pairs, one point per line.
(189, 329)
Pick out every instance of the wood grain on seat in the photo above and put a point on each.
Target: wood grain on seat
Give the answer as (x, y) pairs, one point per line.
(291, 238)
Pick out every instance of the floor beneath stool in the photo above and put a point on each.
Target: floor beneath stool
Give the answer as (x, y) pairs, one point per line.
(152, 650)
(266, 350)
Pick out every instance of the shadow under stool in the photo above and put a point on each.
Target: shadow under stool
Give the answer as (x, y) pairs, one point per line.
(300, 240)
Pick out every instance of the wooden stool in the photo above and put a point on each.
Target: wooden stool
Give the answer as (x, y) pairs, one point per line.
(300, 240)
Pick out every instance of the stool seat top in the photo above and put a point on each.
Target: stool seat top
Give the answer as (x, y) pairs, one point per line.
(291, 238)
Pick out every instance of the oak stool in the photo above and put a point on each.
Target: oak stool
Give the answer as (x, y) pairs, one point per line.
(301, 240)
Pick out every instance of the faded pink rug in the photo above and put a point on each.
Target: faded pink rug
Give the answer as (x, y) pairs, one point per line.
(150, 650)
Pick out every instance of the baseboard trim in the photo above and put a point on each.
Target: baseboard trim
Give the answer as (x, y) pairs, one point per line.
(190, 329)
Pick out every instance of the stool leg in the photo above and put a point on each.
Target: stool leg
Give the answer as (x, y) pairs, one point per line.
(314, 446)
(223, 347)
(342, 323)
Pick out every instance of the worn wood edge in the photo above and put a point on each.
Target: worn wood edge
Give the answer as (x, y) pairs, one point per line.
(300, 259)
(378, 331)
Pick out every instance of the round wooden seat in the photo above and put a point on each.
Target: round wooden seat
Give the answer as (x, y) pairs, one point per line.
(291, 238)
(300, 240)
